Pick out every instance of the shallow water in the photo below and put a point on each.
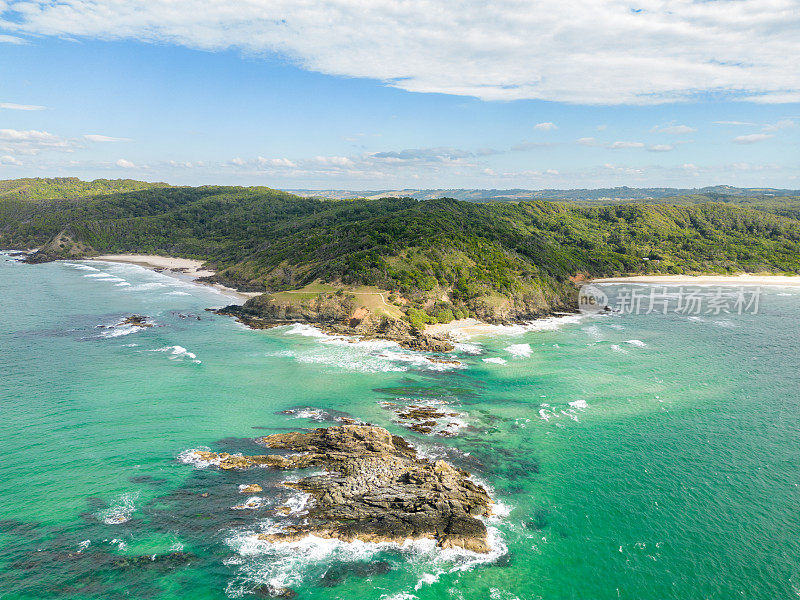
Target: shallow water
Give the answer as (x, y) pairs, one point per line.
(650, 456)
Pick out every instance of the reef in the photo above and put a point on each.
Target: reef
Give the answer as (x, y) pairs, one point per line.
(375, 488)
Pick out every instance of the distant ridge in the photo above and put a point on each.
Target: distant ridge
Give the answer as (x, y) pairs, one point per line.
(599, 194)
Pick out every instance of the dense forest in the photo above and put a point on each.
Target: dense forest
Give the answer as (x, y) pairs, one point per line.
(463, 256)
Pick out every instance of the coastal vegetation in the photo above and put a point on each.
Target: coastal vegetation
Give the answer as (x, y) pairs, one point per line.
(426, 261)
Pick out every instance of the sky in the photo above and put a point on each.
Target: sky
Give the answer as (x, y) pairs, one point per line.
(394, 94)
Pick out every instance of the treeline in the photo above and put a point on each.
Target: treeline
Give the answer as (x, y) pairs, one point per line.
(272, 240)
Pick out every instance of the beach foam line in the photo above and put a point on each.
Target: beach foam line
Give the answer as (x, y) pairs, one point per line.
(80, 266)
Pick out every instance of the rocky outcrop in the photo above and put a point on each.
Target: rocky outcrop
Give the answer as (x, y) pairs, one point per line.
(334, 314)
(135, 321)
(375, 489)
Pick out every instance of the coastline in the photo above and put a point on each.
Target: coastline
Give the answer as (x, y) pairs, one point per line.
(740, 279)
(181, 268)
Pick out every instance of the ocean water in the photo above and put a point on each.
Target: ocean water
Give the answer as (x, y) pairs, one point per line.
(632, 456)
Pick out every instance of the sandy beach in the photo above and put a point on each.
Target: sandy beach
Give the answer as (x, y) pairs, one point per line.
(740, 279)
(183, 268)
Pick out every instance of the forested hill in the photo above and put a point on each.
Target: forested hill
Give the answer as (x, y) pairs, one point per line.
(493, 260)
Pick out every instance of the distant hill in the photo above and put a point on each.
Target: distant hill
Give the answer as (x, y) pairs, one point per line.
(600, 194)
(495, 260)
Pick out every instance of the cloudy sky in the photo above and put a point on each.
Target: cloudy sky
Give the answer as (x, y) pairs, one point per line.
(379, 94)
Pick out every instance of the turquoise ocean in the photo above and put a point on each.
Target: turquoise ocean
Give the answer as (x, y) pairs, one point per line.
(634, 457)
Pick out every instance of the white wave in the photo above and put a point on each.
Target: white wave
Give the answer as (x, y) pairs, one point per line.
(500, 510)
(495, 360)
(101, 274)
(177, 352)
(251, 503)
(467, 348)
(178, 293)
(520, 350)
(122, 284)
(193, 457)
(637, 343)
(593, 331)
(83, 545)
(121, 511)
(553, 323)
(618, 348)
(81, 267)
(578, 404)
(317, 414)
(298, 503)
(304, 330)
(144, 287)
(726, 323)
(120, 330)
(285, 564)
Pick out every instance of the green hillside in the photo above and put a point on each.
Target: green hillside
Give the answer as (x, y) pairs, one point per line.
(491, 260)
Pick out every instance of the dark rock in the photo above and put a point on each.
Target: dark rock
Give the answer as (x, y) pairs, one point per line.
(376, 489)
(267, 590)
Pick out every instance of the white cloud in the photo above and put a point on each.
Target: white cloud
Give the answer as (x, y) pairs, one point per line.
(14, 141)
(12, 39)
(674, 129)
(550, 50)
(586, 141)
(336, 161)
(92, 137)
(12, 106)
(751, 138)
(783, 124)
(9, 160)
(125, 164)
(736, 123)
(545, 126)
(239, 162)
(777, 97)
(661, 148)
(625, 145)
(276, 162)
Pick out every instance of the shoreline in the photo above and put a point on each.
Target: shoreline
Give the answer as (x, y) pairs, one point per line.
(740, 279)
(181, 268)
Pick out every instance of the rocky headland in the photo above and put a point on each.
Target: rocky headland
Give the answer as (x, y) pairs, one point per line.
(375, 489)
(337, 315)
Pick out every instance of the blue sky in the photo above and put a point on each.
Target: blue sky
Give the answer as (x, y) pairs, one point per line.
(322, 97)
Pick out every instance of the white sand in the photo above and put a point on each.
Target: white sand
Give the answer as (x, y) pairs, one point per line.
(741, 279)
(171, 265)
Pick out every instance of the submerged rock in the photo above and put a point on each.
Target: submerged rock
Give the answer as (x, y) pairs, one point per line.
(136, 321)
(251, 488)
(376, 489)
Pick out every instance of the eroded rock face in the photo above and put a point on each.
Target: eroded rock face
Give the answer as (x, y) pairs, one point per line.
(375, 489)
(335, 315)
